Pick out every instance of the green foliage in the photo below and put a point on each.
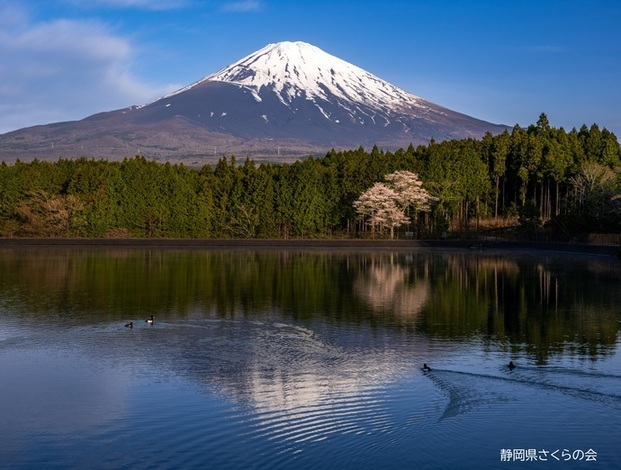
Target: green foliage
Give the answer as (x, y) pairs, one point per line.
(592, 202)
(540, 173)
(529, 217)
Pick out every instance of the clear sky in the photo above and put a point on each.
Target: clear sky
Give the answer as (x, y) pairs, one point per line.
(501, 61)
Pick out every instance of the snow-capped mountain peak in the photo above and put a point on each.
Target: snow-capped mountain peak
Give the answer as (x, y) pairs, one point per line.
(289, 97)
(300, 70)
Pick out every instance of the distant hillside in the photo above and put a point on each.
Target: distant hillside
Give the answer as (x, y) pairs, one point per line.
(286, 100)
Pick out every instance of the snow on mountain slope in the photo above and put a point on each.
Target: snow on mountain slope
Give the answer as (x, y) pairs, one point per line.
(300, 70)
(289, 97)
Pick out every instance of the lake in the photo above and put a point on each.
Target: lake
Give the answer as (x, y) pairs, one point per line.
(308, 359)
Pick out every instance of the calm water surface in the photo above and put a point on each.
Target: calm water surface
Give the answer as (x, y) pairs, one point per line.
(308, 359)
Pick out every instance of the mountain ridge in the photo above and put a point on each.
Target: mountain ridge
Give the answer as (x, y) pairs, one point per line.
(288, 98)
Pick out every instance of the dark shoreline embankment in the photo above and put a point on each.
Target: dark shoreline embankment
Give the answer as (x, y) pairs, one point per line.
(345, 244)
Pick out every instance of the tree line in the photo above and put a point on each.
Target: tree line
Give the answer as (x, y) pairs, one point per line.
(529, 305)
(569, 182)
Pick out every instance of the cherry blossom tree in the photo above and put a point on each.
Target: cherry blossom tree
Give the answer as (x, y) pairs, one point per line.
(410, 191)
(379, 205)
(386, 205)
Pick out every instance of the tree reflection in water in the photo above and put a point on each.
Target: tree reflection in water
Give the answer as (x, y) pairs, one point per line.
(537, 304)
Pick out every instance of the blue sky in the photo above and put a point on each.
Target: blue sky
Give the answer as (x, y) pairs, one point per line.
(501, 61)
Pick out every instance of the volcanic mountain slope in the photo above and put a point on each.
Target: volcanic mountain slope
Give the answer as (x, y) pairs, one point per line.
(289, 98)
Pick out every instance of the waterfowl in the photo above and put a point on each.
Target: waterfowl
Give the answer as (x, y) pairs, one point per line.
(511, 365)
(129, 325)
(150, 320)
(426, 368)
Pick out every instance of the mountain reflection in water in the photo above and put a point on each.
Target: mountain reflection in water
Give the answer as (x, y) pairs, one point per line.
(300, 353)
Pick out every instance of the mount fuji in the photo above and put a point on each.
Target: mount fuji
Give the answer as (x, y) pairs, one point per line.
(289, 98)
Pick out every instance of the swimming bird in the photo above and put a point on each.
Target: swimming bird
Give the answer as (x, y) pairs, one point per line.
(511, 365)
(129, 325)
(150, 320)
(426, 368)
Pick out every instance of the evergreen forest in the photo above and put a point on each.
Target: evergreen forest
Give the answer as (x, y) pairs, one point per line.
(536, 180)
